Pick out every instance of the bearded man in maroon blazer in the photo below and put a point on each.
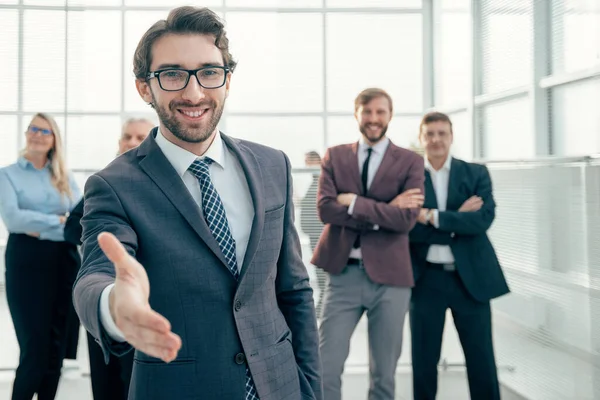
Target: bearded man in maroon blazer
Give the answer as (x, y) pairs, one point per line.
(369, 197)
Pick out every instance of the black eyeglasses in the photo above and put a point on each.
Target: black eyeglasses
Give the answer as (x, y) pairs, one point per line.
(174, 79)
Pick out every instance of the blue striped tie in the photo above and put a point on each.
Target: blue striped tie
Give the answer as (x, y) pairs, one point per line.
(215, 216)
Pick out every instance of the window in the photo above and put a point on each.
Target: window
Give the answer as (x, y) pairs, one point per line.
(453, 58)
(576, 122)
(94, 61)
(169, 4)
(402, 131)
(94, 3)
(508, 131)
(91, 141)
(44, 2)
(375, 3)
(462, 147)
(507, 44)
(374, 51)
(9, 67)
(275, 3)
(280, 60)
(44, 61)
(575, 34)
(294, 135)
(9, 149)
(136, 24)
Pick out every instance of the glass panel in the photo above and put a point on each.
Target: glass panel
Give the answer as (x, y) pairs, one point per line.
(44, 2)
(576, 122)
(44, 61)
(94, 3)
(294, 135)
(280, 62)
(275, 3)
(170, 3)
(462, 147)
(357, 59)
(453, 61)
(459, 5)
(507, 44)
(9, 67)
(9, 1)
(375, 3)
(92, 141)
(9, 150)
(575, 34)
(402, 131)
(94, 61)
(508, 130)
(136, 24)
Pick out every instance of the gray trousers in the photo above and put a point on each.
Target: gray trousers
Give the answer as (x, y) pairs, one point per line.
(348, 296)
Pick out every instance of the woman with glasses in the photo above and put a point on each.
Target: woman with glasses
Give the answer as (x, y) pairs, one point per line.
(36, 195)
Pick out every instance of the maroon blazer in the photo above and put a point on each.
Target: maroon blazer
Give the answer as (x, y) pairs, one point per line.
(385, 251)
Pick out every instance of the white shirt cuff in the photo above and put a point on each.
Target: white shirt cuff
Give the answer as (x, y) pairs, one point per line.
(107, 322)
(436, 218)
(351, 208)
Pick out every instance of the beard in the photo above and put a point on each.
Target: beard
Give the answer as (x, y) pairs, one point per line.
(365, 132)
(193, 132)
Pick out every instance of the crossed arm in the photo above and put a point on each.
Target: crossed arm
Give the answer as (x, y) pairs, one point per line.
(360, 213)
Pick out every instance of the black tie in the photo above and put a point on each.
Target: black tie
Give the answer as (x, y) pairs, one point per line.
(364, 178)
(365, 170)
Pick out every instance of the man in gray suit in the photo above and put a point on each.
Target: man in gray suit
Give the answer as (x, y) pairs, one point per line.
(206, 222)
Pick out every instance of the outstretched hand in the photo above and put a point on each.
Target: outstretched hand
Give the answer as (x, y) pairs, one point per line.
(143, 328)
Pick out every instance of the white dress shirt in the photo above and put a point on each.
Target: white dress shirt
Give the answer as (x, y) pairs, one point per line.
(230, 182)
(374, 162)
(440, 254)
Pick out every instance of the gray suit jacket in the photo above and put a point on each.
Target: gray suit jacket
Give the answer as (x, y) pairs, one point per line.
(267, 319)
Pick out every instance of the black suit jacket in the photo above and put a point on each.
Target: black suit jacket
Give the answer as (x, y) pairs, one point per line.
(73, 225)
(465, 232)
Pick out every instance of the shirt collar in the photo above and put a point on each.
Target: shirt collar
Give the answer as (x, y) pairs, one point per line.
(379, 147)
(445, 167)
(181, 159)
(25, 163)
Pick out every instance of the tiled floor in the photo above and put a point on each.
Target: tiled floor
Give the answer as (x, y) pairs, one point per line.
(75, 384)
(452, 387)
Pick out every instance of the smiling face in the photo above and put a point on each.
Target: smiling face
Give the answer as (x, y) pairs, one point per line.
(373, 119)
(39, 137)
(190, 115)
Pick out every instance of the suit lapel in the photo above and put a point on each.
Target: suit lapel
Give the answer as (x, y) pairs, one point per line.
(353, 168)
(454, 199)
(430, 195)
(159, 169)
(253, 174)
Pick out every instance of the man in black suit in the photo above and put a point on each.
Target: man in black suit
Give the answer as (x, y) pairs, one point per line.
(455, 265)
(109, 381)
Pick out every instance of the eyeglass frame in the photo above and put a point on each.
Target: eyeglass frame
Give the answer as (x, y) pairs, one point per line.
(194, 72)
(35, 129)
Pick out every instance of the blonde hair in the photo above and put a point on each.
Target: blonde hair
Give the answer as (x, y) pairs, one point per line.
(58, 167)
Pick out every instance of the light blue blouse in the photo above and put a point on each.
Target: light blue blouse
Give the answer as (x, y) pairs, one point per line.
(29, 202)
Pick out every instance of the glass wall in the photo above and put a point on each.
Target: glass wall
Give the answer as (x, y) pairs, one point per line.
(301, 64)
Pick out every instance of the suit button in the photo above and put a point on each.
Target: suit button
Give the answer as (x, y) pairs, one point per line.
(238, 305)
(452, 235)
(240, 358)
